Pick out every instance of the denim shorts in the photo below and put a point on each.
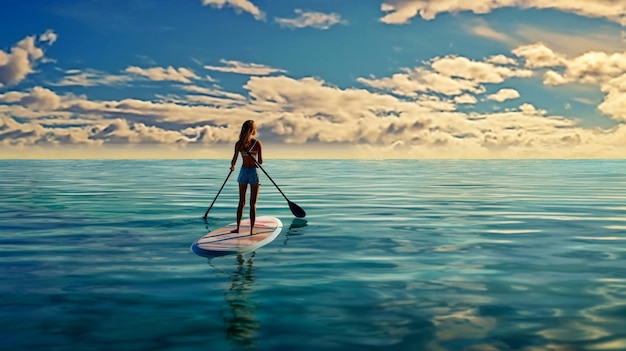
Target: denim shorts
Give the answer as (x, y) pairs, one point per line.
(248, 175)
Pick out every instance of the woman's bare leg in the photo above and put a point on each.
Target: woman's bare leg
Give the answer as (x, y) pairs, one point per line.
(242, 204)
(254, 195)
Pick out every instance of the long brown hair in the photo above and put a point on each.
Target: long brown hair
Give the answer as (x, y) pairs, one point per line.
(246, 133)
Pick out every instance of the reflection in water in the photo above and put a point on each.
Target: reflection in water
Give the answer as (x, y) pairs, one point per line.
(298, 223)
(240, 322)
(294, 229)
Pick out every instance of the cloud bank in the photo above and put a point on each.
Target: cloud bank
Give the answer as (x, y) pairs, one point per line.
(318, 20)
(402, 11)
(238, 5)
(238, 67)
(431, 109)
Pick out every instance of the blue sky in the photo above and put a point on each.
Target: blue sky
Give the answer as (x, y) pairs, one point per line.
(350, 78)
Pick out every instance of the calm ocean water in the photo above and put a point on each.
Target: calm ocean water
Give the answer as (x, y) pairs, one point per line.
(393, 255)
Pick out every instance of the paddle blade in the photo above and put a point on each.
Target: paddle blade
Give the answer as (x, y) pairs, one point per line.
(296, 210)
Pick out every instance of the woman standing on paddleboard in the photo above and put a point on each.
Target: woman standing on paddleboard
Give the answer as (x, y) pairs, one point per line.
(250, 150)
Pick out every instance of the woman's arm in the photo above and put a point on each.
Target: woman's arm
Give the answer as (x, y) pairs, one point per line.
(260, 152)
(233, 162)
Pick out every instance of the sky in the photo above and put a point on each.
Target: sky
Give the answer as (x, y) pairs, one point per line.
(322, 78)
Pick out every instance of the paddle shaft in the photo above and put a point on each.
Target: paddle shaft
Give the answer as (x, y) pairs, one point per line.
(295, 209)
(218, 194)
(268, 176)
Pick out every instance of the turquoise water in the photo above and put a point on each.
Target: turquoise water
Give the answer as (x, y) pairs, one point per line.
(393, 255)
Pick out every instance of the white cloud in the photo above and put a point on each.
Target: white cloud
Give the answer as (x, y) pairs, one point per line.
(41, 99)
(35, 133)
(19, 63)
(465, 99)
(538, 55)
(238, 5)
(402, 11)
(411, 83)
(182, 75)
(482, 72)
(90, 78)
(117, 131)
(49, 37)
(606, 70)
(309, 96)
(120, 131)
(501, 60)
(614, 103)
(594, 67)
(253, 69)
(311, 111)
(450, 75)
(503, 95)
(318, 20)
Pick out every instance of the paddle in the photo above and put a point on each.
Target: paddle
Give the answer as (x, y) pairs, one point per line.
(295, 209)
(218, 194)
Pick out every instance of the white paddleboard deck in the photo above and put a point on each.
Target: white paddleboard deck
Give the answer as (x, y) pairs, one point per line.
(223, 241)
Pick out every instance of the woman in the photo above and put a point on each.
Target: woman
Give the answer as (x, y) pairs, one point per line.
(250, 150)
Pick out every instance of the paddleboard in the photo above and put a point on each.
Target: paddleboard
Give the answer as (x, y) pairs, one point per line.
(222, 241)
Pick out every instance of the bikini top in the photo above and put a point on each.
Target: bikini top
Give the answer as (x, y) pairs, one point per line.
(250, 153)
